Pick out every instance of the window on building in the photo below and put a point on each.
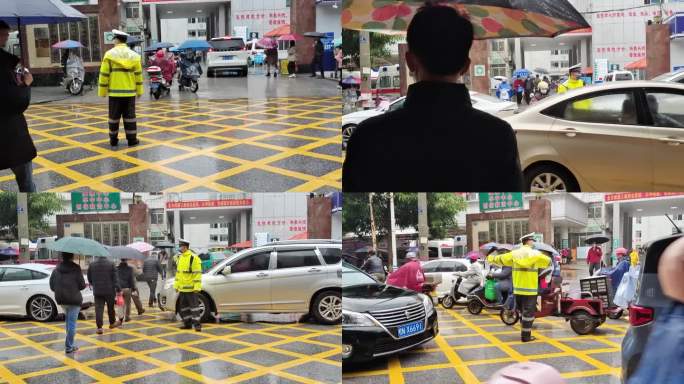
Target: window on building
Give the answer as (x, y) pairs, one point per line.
(638, 220)
(223, 238)
(87, 32)
(191, 20)
(223, 225)
(213, 225)
(132, 11)
(42, 41)
(678, 217)
(192, 33)
(498, 69)
(202, 33)
(638, 234)
(594, 210)
(498, 45)
(157, 216)
(214, 238)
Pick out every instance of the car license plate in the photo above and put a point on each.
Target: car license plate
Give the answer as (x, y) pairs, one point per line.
(227, 57)
(410, 329)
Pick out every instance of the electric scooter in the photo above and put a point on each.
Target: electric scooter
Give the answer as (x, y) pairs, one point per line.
(158, 86)
(477, 301)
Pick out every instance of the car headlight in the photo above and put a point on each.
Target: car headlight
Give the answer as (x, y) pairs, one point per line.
(427, 303)
(356, 319)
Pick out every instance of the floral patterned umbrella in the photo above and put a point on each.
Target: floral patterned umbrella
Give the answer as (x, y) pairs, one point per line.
(492, 19)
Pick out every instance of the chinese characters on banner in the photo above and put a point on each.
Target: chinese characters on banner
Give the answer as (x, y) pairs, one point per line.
(94, 201)
(635, 51)
(290, 225)
(633, 13)
(500, 200)
(638, 195)
(274, 18)
(209, 203)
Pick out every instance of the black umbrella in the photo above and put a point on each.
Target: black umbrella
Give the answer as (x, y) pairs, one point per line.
(314, 34)
(596, 240)
(122, 252)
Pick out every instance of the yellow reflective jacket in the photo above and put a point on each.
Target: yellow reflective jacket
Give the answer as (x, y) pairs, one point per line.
(120, 73)
(526, 263)
(634, 258)
(188, 277)
(574, 84)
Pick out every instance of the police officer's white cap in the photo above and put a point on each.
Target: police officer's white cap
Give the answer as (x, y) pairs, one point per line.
(529, 236)
(411, 255)
(183, 242)
(116, 32)
(576, 67)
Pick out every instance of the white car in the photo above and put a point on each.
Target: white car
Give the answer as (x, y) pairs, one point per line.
(227, 54)
(673, 77)
(482, 102)
(25, 291)
(280, 277)
(446, 268)
(619, 76)
(618, 136)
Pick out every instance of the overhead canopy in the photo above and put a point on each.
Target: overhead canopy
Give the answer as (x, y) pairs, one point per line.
(491, 18)
(242, 244)
(639, 64)
(282, 30)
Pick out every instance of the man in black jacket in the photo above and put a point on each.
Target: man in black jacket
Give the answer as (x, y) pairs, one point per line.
(151, 271)
(15, 96)
(437, 141)
(103, 278)
(67, 282)
(126, 276)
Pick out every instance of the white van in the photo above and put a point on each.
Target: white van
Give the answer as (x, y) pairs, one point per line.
(388, 81)
(441, 248)
(619, 76)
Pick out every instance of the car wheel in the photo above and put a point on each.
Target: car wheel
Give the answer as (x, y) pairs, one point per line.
(327, 307)
(550, 178)
(41, 308)
(205, 308)
(347, 131)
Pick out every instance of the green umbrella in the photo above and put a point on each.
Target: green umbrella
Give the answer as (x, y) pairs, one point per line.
(79, 246)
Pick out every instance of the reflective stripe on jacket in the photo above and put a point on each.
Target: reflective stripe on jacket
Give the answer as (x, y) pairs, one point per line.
(120, 73)
(526, 263)
(188, 277)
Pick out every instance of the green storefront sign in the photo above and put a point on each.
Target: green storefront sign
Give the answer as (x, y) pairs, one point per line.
(95, 202)
(497, 201)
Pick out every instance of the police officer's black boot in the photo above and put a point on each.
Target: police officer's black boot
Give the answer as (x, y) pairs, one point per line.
(198, 328)
(186, 326)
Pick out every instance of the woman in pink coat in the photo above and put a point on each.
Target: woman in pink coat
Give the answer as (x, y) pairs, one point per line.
(409, 275)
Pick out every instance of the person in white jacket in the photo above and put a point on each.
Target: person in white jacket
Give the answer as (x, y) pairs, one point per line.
(472, 277)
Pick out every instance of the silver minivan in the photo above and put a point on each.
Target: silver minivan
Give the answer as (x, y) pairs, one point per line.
(302, 276)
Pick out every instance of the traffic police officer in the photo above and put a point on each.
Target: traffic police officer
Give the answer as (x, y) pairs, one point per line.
(526, 262)
(121, 79)
(188, 283)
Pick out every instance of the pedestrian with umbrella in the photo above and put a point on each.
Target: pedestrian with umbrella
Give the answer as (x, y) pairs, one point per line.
(67, 282)
(121, 79)
(271, 50)
(151, 270)
(317, 58)
(594, 256)
(103, 277)
(292, 60)
(188, 283)
(14, 100)
(129, 290)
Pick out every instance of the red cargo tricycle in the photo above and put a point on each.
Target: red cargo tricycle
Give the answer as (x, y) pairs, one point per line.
(584, 314)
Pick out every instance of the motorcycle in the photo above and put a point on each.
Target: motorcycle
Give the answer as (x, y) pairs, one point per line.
(477, 301)
(158, 86)
(73, 81)
(188, 79)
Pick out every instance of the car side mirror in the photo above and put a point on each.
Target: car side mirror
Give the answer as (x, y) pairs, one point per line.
(226, 271)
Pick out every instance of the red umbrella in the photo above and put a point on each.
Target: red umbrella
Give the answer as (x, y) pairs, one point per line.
(267, 42)
(290, 37)
(282, 30)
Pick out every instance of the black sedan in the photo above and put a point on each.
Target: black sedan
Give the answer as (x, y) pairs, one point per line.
(379, 320)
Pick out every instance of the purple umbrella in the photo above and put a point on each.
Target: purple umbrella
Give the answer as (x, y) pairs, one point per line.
(67, 44)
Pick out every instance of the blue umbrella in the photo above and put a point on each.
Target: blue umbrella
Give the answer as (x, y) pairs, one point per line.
(174, 49)
(487, 247)
(133, 40)
(67, 44)
(157, 46)
(9, 252)
(194, 45)
(522, 72)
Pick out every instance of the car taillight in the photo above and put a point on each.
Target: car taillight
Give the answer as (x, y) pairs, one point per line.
(640, 315)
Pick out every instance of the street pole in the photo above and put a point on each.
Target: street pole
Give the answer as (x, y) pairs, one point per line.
(23, 227)
(393, 234)
(365, 61)
(423, 229)
(372, 219)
